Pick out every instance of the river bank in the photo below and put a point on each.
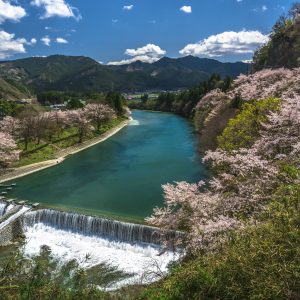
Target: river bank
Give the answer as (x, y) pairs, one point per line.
(61, 155)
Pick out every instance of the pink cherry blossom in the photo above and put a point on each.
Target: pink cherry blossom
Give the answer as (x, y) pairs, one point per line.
(8, 149)
(244, 179)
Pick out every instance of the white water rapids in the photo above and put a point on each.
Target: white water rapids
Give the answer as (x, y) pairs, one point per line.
(2, 208)
(134, 122)
(140, 259)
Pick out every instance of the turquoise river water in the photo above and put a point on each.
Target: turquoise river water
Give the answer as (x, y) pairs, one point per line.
(123, 175)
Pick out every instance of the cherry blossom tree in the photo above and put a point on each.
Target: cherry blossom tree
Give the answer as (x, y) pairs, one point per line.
(79, 118)
(58, 121)
(41, 125)
(10, 125)
(99, 113)
(212, 98)
(280, 136)
(281, 82)
(27, 121)
(8, 149)
(244, 179)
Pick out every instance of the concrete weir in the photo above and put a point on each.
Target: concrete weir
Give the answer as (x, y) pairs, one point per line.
(133, 248)
(11, 213)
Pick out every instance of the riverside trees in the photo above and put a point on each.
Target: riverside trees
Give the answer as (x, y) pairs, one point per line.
(242, 225)
(8, 149)
(247, 172)
(99, 113)
(33, 127)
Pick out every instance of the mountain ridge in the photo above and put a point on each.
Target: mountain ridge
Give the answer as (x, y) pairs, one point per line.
(81, 73)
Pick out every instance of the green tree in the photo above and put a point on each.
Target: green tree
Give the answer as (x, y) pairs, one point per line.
(283, 48)
(116, 101)
(243, 130)
(45, 277)
(74, 103)
(144, 98)
(7, 108)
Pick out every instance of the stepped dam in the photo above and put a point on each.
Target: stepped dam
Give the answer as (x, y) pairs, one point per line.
(101, 227)
(133, 248)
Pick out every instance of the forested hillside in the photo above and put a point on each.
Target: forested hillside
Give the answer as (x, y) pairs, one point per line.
(11, 90)
(242, 225)
(83, 74)
(184, 102)
(283, 49)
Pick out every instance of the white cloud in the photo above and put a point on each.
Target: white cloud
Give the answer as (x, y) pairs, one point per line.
(9, 45)
(227, 43)
(128, 7)
(247, 61)
(57, 8)
(186, 9)
(32, 42)
(10, 12)
(46, 40)
(61, 40)
(150, 50)
(149, 53)
(260, 9)
(143, 58)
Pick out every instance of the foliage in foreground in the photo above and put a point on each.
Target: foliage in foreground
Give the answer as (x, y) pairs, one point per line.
(44, 277)
(260, 262)
(242, 226)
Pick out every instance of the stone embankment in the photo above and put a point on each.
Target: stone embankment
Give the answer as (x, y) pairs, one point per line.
(12, 231)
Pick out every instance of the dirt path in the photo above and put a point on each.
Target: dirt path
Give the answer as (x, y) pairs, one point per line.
(60, 155)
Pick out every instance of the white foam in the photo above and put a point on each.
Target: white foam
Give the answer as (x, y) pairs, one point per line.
(134, 122)
(19, 213)
(2, 208)
(138, 259)
(9, 207)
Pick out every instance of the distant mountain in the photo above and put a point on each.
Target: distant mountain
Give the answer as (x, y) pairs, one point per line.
(205, 65)
(78, 73)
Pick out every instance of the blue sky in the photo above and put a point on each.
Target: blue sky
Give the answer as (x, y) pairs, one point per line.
(121, 31)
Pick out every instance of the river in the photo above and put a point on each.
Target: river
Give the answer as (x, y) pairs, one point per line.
(121, 176)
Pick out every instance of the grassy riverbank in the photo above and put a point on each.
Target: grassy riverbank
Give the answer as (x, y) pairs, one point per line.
(48, 151)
